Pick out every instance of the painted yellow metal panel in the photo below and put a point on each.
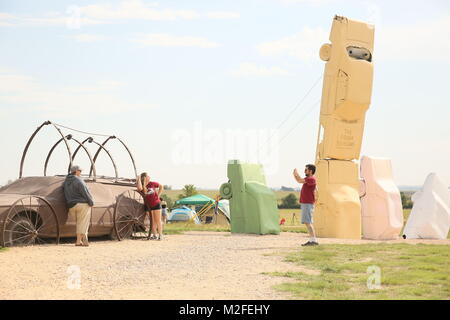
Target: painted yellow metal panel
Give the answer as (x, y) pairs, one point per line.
(347, 88)
(338, 208)
(346, 96)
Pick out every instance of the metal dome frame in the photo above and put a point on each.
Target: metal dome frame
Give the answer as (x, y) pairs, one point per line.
(72, 155)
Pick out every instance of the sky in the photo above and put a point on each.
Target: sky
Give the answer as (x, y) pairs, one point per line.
(189, 85)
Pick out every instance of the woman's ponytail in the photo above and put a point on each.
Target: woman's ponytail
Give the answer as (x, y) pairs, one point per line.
(144, 185)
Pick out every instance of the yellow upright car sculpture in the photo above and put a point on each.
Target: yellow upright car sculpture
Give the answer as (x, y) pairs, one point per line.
(346, 94)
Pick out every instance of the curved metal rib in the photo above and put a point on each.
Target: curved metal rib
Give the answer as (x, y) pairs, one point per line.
(22, 161)
(128, 150)
(89, 155)
(51, 152)
(131, 156)
(63, 138)
(100, 149)
(91, 140)
(110, 157)
(77, 149)
(66, 143)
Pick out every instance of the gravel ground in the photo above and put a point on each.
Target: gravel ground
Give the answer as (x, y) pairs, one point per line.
(194, 265)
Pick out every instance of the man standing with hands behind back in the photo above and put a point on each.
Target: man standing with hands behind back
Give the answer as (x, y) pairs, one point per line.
(79, 202)
(307, 200)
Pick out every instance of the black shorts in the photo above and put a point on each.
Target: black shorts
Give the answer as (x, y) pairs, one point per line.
(157, 207)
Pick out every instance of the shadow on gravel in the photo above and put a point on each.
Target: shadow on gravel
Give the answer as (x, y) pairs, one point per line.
(96, 239)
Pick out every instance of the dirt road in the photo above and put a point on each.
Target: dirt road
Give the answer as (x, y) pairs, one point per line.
(195, 265)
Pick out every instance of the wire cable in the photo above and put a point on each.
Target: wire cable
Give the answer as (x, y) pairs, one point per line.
(88, 133)
(313, 106)
(293, 110)
(300, 102)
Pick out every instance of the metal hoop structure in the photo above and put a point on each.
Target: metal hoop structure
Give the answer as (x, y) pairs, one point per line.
(81, 145)
(68, 137)
(24, 154)
(101, 147)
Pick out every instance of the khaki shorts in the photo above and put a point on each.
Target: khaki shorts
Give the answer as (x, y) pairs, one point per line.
(81, 213)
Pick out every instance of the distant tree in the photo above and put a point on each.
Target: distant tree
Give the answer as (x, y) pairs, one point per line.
(289, 202)
(167, 187)
(170, 202)
(283, 188)
(187, 191)
(406, 200)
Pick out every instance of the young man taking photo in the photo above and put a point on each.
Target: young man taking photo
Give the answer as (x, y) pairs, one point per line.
(307, 200)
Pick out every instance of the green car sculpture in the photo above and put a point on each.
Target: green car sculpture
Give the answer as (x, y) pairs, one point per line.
(253, 206)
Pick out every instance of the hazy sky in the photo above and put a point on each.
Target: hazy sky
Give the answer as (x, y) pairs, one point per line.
(191, 84)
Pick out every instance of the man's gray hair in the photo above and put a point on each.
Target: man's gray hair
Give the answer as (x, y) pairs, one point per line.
(75, 168)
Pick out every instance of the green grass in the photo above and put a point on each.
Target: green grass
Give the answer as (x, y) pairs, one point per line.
(292, 223)
(407, 272)
(2, 249)
(180, 227)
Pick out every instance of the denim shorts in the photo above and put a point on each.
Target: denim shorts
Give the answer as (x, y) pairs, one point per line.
(307, 212)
